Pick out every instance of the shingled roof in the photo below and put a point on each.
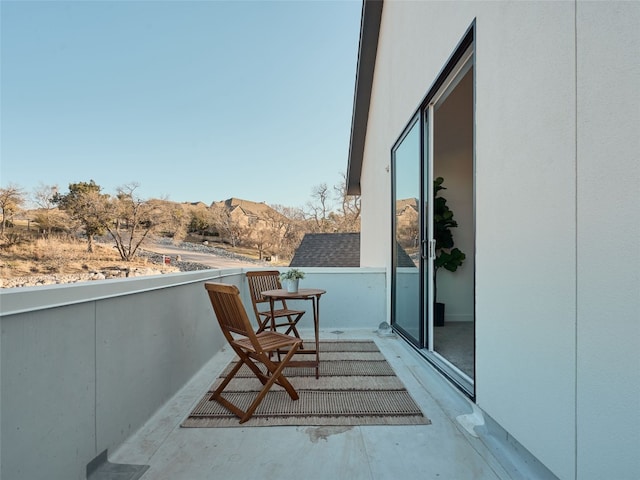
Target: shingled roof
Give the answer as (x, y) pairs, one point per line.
(336, 250)
(328, 250)
(403, 259)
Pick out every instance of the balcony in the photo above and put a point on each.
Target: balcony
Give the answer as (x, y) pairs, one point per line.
(115, 366)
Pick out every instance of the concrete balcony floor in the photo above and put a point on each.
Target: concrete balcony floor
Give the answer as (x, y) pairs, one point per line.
(443, 450)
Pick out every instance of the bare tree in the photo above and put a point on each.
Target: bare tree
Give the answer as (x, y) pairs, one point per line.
(261, 239)
(223, 221)
(43, 196)
(321, 215)
(318, 209)
(269, 232)
(134, 220)
(47, 216)
(349, 220)
(177, 219)
(288, 223)
(12, 197)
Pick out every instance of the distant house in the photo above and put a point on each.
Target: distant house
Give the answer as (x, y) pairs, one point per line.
(246, 212)
(255, 223)
(328, 250)
(407, 223)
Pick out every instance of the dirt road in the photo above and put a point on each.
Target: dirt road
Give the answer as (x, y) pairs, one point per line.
(208, 259)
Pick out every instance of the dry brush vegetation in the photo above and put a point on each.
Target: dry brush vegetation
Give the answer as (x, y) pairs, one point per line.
(57, 238)
(45, 256)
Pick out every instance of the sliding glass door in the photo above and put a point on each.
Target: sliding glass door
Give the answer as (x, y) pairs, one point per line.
(434, 225)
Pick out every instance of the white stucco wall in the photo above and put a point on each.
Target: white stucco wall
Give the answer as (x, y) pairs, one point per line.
(608, 254)
(557, 212)
(403, 74)
(525, 208)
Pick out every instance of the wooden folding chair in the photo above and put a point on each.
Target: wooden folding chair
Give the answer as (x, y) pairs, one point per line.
(261, 281)
(252, 348)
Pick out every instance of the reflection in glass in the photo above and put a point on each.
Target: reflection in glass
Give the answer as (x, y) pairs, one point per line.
(406, 265)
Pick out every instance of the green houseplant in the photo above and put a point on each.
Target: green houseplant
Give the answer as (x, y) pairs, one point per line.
(291, 278)
(446, 255)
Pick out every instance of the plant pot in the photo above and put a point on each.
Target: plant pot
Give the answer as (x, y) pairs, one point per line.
(292, 286)
(438, 314)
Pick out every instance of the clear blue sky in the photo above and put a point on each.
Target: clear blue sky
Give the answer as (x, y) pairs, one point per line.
(193, 100)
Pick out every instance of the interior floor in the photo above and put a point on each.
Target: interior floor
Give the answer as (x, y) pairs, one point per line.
(455, 342)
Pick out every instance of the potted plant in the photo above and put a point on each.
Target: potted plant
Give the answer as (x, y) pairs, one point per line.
(447, 256)
(291, 278)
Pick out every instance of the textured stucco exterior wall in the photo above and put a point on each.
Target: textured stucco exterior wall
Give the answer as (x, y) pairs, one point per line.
(525, 211)
(608, 242)
(557, 118)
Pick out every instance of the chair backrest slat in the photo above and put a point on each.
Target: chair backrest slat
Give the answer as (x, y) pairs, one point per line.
(229, 310)
(261, 281)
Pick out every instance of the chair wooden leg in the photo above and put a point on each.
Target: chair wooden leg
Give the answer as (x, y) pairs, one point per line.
(262, 376)
(244, 360)
(216, 394)
(262, 326)
(292, 327)
(276, 377)
(276, 370)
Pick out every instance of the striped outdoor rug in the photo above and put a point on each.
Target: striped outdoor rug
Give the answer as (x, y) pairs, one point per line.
(356, 387)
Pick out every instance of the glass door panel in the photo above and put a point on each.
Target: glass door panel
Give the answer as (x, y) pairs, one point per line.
(406, 278)
(453, 223)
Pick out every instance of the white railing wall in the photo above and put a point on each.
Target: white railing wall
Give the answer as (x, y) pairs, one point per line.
(355, 298)
(83, 366)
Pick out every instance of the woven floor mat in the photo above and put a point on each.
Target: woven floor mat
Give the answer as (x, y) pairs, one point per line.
(349, 392)
(328, 368)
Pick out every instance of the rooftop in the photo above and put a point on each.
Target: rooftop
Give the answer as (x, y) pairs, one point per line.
(110, 369)
(445, 449)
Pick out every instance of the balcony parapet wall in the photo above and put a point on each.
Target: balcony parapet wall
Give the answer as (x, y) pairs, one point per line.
(83, 366)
